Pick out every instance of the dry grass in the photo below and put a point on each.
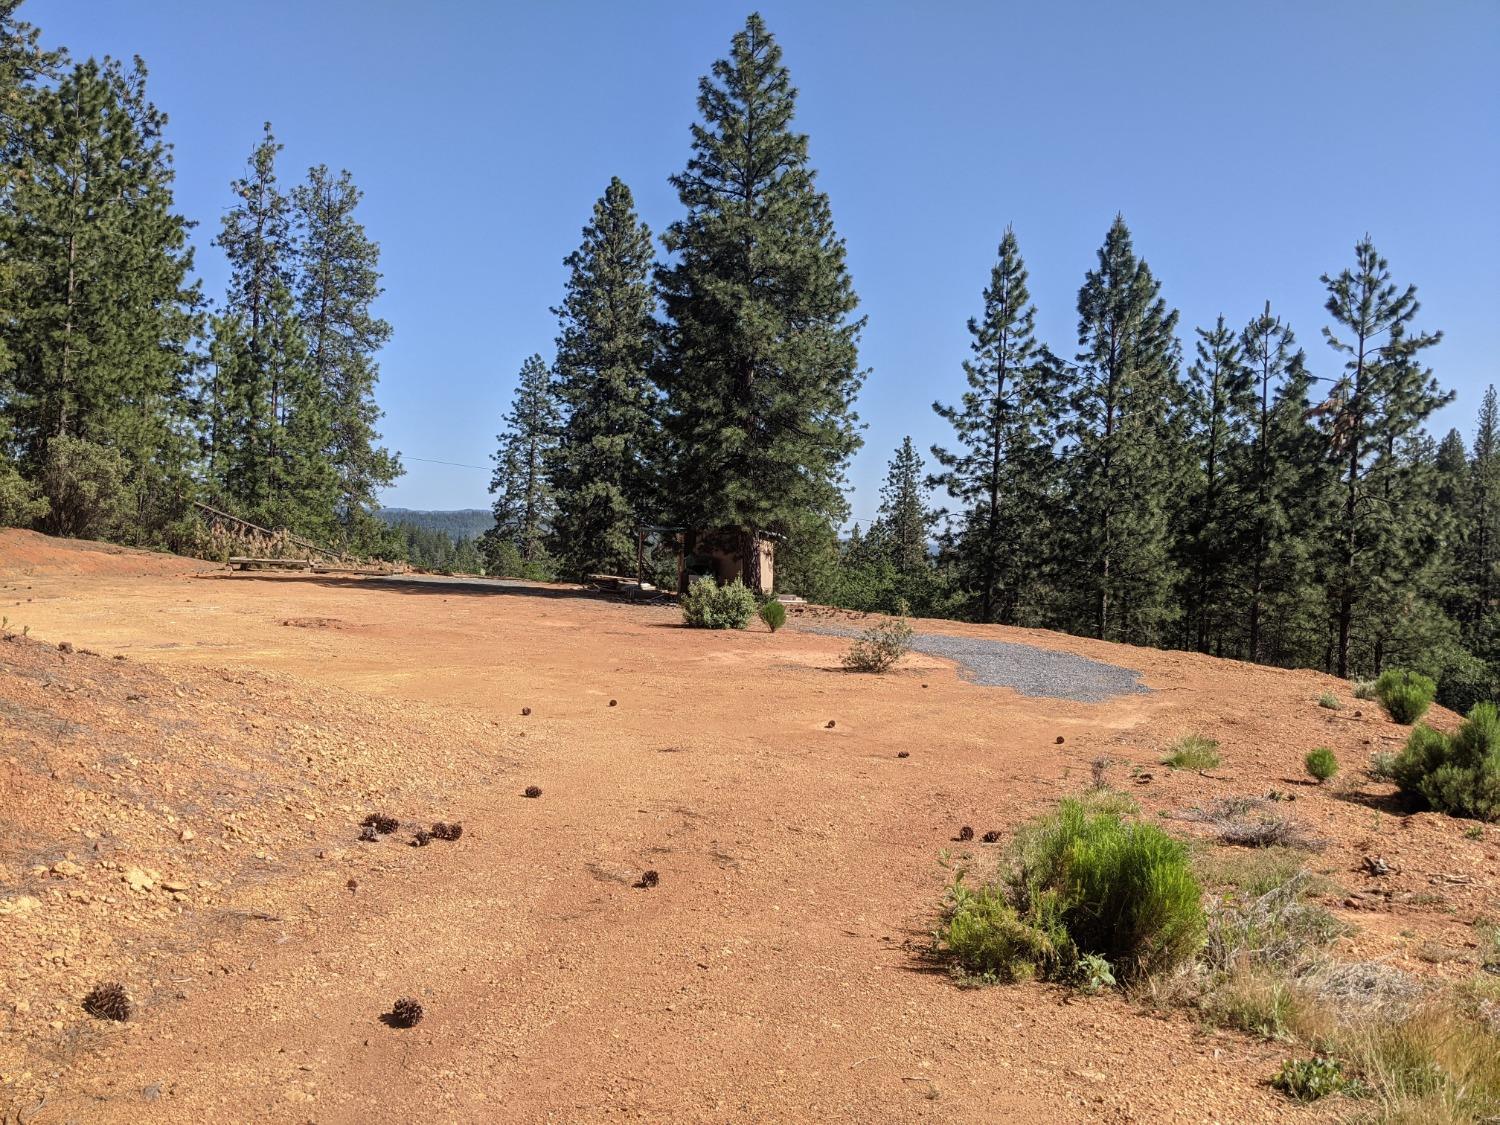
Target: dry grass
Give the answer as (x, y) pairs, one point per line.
(1192, 752)
(1252, 822)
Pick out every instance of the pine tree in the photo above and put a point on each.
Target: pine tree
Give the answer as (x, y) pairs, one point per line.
(524, 503)
(338, 278)
(1126, 457)
(1002, 473)
(904, 510)
(1283, 480)
(1218, 393)
(1483, 510)
(1383, 396)
(607, 464)
(761, 365)
(99, 262)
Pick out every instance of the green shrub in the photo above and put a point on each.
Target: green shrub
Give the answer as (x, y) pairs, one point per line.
(983, 932)
(1330, 701)
(707, 605)
(1321, 763)
(880, 648)
(1364, 689)
(21, 502)
(1193, 752)
(1121, 889)
(1307, 1080)
(1382, 765)
(773, 613)
(1456, 774)
(1089, 898)
(1406, 695)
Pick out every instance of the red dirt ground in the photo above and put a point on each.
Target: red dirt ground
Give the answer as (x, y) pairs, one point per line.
(186, 819)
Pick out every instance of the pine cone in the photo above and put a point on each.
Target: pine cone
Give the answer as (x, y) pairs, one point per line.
(441, 831)
(533, 791)
(991, 836)
(406, 1012)
(108, 1002)
(966, 833)
(381, 823)
(649, 879)
(903, 753)
(421, 839)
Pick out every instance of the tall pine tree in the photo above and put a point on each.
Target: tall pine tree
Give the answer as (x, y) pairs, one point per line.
(1383, 396)
(606, 476)
(761, 365)
(100, 358)
(337, 280)
(1282, 477)
(1218, 392)
(1126, 456)
(524, 503)
(1004, 470)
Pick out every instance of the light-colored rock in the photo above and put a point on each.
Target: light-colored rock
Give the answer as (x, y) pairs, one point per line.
(138, 880)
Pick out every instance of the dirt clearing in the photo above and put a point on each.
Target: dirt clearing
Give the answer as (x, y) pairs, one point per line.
(187, 821)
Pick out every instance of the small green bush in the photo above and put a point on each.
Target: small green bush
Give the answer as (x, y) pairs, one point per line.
(1322, 763)
(983, 932)
(707, 605)
(1330, 701)
(773, 613)
(1193, 752)
(1458, 774)
(880, 648)
(1089, 898)
(1307, 1080)
(1406, 695)
(1364, 689)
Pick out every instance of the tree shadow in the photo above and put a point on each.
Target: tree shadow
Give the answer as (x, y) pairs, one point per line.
(436, 584)
(1397, 803)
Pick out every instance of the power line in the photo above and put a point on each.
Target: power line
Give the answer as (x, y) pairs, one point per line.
(432, 461)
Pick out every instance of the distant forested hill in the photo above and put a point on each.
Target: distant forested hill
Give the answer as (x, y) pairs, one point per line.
(466, 523)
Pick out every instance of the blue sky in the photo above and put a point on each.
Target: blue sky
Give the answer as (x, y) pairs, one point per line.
(1248, 145)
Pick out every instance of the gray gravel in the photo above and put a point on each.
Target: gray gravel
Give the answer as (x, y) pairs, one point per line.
(1026, 669)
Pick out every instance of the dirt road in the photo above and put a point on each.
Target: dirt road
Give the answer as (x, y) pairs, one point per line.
(774, 974)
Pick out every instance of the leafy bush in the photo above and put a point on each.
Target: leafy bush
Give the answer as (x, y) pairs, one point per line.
(21, 503)
(1321, 763)
(1194, 752)
(1307, 1080)
(707, 605)
(880, 648)
(1406, 695)
(773, 613)
(1457, 774)
(1084, 886)
(1330, 701)
(85, 485)
(1364, 689)
(1382, 765)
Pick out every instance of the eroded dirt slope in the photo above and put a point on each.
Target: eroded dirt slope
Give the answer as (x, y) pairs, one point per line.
(185, 820)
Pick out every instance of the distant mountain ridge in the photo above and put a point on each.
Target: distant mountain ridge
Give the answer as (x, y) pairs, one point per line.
(465, 523)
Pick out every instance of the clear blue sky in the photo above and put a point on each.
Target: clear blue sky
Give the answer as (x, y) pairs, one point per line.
(1248, 145)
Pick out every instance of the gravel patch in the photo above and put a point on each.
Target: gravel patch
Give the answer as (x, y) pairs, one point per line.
(1026, 669)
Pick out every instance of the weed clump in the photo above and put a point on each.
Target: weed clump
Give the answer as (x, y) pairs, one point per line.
(108, 1002)
(1321, 763)
(1192, 752)
(1082, 882)
(1250, 822)
(1457, 774)
(707, 605)
(1405, 695)
(773, 613)
(1307, 1080)
(879, 649)
(1330, 701)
